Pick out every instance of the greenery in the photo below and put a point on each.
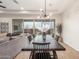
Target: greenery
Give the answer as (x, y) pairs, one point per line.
(59, 29)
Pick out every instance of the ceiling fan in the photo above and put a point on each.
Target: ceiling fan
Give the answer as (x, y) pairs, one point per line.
(2, 5)
(15, 1)
(0, 1)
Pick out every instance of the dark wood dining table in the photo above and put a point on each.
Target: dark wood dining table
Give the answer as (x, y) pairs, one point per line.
(54, 45)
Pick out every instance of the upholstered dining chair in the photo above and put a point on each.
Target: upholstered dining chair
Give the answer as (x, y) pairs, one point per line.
(39, 52)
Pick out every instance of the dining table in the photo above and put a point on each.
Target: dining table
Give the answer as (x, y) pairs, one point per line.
(54, 45)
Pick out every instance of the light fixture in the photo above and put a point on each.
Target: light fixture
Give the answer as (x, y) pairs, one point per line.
(43, 13)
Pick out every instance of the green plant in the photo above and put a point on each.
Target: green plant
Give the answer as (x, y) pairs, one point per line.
(59, 29)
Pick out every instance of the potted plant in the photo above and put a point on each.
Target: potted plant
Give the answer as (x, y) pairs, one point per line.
(59, 29)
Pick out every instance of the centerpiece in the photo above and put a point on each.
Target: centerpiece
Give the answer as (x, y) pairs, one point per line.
(44, 36)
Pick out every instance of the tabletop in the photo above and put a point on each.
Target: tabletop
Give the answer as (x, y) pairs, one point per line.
(54, 45)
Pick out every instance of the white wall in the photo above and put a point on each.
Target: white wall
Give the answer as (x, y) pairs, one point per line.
(7, 20)
(26, 16)
(9, 17)
(71, 26)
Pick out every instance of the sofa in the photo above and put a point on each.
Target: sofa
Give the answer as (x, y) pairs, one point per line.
(11, 48)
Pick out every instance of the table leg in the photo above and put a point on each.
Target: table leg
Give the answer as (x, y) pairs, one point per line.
(55, 55)
(33, 57)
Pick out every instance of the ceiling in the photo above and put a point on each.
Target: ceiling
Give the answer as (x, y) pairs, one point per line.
(34, 6)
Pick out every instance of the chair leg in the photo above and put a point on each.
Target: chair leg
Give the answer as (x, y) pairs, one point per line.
(33, 55)
(55, 55)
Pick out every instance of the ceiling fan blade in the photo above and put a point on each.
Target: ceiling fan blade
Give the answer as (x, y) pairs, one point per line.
(15, 1)
(2, 6)
(0, 1)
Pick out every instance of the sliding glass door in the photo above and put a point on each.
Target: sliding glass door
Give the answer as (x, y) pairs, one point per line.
(28, 27)
(35, 26)
(46, 26)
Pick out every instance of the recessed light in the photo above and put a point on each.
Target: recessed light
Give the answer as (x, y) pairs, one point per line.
(22, 8)
(41, 10)
(24, 12)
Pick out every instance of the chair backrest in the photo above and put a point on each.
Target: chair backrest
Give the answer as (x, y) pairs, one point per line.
(39, 52)
(41, 46)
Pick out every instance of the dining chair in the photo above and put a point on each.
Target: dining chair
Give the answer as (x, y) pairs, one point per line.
(29, 38)
(57, 38)
(40, 52)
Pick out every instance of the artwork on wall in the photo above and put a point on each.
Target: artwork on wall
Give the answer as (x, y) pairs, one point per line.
(4, 27)
(15, 27)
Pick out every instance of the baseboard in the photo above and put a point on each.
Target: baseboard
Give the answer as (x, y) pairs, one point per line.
(71, 46)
